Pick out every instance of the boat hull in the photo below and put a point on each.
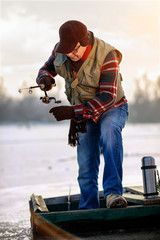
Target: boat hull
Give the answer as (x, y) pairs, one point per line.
(63, 220)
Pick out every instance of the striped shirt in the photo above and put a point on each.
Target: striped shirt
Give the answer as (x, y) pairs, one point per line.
(94, 108)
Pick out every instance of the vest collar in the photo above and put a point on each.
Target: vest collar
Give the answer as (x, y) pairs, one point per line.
(60, 59)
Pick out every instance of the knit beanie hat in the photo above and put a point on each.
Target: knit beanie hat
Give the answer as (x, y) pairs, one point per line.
(70, 33)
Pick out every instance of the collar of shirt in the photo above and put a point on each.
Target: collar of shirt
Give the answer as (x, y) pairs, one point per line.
(86, 53)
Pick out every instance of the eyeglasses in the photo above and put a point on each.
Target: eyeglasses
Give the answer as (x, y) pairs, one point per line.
(76, 49)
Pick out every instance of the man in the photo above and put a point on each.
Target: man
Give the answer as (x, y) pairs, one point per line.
(98, 110)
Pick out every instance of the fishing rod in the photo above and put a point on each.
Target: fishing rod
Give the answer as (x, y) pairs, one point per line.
(45, 99)
(69, 199)
(158, 182)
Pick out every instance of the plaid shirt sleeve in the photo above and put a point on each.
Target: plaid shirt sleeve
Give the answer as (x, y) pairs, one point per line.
(93, 108)
(47, 69)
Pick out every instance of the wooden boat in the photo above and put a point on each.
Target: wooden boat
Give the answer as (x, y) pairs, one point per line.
(59, 218)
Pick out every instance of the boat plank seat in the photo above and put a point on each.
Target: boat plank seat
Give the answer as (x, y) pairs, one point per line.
(139, 199)
(134, 189)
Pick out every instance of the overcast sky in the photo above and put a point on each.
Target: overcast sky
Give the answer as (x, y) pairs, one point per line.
(29, 31)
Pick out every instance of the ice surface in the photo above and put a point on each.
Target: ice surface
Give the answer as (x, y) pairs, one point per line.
(37, 159)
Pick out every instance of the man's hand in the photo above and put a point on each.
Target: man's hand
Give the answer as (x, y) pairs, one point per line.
(63, 112)
(46, 82)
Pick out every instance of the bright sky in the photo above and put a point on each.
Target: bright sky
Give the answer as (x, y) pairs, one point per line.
(29, 31)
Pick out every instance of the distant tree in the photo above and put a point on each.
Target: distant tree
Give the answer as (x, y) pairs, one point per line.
(4, 101)
(145, 107)
(3, 91)
(157, 88)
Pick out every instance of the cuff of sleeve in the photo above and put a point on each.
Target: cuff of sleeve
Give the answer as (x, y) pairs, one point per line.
(79, 111)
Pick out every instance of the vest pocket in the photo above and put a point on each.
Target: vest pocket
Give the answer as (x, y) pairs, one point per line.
(87, 93)
(90, 78)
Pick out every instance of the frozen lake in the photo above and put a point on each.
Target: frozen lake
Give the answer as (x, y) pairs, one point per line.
(36, 159)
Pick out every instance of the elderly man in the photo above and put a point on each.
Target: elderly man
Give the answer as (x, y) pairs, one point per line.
(98, 109)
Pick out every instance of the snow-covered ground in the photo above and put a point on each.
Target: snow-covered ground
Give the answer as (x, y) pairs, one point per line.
(37, 159)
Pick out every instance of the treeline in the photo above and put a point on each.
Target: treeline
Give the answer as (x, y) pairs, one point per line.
(144, 108)
(27, 109)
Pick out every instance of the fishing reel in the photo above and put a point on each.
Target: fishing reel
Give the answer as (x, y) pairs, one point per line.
(46, 99)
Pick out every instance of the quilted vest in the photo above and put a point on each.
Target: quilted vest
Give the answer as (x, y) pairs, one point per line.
(86, 84)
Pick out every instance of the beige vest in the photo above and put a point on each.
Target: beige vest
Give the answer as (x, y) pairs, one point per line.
(86, 84)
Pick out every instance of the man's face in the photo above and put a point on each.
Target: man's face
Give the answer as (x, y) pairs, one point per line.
(77, 53)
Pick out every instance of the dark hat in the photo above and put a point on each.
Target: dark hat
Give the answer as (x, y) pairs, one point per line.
(70, 33)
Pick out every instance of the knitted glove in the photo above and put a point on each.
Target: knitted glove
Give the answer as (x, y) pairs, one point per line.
(73, 138)
(63, 112)
(81, 127)
(47, 82)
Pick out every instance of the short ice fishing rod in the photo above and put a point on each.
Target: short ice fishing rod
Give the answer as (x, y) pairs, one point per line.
(46, 98)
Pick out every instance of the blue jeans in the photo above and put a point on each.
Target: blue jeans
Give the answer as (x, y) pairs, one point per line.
(105, 134)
